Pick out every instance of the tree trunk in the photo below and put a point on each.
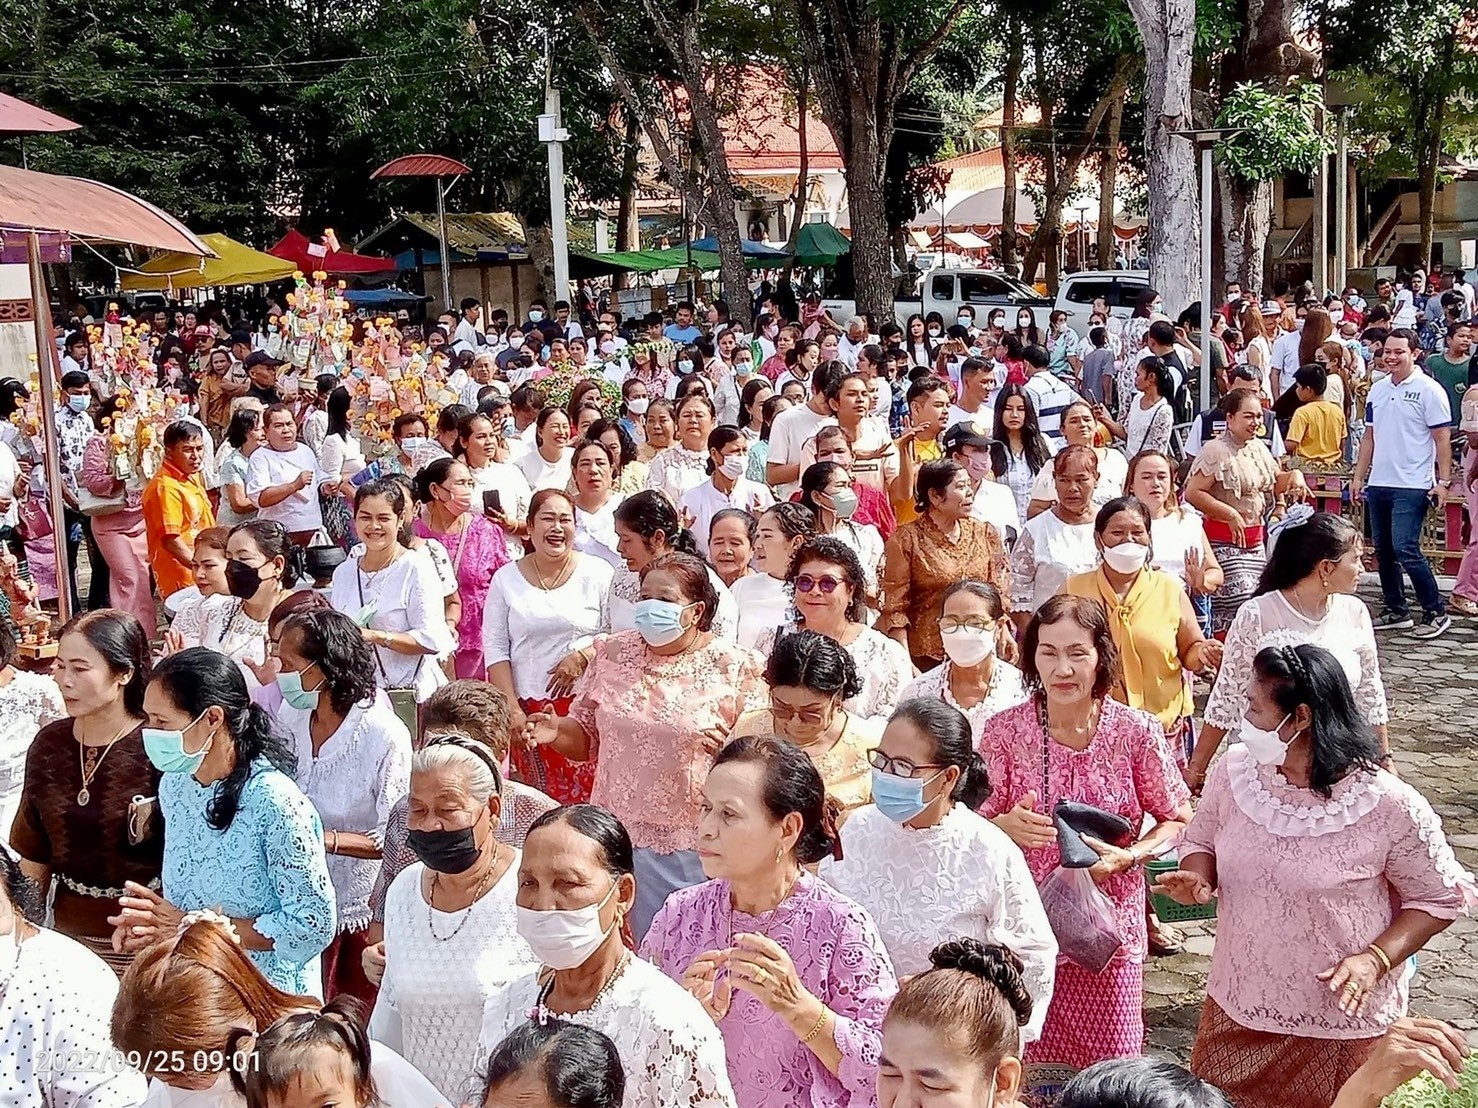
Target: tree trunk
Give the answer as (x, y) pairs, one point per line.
(1168, 30)
(628, 223)
(1266, 54)
(711, 194)
(539, 242)
(1246, 209)
(1008, 151)
(802, 190)
(1108, 177)
(1045, 243)
(1429, 154)
(868, 208)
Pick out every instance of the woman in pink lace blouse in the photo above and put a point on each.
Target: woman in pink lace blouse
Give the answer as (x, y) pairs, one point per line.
(119, 534)
(445, 489)
(793, 972)
(1071, 741)
(1330, 872)
(654, 706)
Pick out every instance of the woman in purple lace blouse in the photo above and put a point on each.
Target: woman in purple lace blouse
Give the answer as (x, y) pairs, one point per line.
(793, 972)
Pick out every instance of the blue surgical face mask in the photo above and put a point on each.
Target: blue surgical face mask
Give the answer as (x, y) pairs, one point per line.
(166, 749)
(294, 695)
(79, 404)
(535, 315)
(660, 622)
(410, 444)
(684, 366)
(899, 798)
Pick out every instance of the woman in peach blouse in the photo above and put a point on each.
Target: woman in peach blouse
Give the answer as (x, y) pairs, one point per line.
(119, 534)
(655, 705)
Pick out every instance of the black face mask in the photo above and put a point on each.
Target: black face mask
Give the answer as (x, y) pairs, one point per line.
(242, 580)
(445, 851)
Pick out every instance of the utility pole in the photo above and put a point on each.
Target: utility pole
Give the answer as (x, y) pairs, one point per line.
(553, 135)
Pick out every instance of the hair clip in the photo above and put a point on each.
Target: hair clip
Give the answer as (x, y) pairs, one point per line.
(1295, 516)
(207, 915)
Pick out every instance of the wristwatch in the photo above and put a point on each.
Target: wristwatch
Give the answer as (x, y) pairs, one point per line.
(1445, 483)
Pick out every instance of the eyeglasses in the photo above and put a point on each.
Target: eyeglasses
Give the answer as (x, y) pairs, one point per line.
(828, 584)
(898, 767)
(974, 623)
(784, 713)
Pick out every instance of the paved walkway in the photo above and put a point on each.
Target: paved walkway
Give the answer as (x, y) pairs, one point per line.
(1433, 692)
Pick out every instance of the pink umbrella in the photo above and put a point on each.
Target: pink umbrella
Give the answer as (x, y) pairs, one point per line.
(19, 118)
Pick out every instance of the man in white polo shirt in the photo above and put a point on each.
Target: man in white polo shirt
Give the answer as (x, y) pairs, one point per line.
(792, 428)
(1407, 432)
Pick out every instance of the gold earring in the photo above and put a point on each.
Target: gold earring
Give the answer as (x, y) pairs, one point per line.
(779, 854)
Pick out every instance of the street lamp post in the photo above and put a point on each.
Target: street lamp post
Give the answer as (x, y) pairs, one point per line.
(1206, 140)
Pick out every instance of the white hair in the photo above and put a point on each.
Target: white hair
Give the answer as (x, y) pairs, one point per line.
(480, 774)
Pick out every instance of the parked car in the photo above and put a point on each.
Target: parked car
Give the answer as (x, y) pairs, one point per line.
(946, 290)
(1120, 288)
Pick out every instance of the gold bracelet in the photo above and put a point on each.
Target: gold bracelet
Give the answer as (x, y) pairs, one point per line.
(1385, 959)
(820, 1023)
(334, 846)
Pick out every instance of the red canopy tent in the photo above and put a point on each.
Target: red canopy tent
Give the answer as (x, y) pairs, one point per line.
(294, 248)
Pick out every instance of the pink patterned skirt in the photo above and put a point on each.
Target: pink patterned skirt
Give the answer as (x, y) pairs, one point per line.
(1092, 1016)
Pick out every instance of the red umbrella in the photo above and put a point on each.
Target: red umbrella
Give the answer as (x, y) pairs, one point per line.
(19, 118)
(295, 247)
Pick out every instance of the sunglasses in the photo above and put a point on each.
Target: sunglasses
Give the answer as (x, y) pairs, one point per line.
(828, 585)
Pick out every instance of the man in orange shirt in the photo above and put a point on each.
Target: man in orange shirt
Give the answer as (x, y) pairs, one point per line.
(176, 508)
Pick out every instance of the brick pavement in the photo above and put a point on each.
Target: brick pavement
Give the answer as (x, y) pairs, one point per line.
(1433, 693)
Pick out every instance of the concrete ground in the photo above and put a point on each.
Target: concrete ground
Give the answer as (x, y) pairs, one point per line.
(1433, 692)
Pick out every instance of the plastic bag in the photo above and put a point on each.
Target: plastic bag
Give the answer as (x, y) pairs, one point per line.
(1082, 918)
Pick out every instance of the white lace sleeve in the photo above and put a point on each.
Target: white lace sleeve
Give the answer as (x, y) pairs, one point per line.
(1370, 693)
(1420, 865)
(189, 624)
(680, 1064)
(1228, 699)
(1020, 925)
(1024, 572)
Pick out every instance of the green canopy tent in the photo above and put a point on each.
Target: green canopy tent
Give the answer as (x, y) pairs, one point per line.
(820, 244)
(652, 261)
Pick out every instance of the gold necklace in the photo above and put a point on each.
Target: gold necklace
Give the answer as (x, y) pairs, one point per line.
(558, 577)
(84, 794)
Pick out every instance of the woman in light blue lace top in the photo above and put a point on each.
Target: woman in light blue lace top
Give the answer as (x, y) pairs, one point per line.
(240, 837)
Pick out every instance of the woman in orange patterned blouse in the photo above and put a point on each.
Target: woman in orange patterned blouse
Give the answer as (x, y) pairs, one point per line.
(925, 557)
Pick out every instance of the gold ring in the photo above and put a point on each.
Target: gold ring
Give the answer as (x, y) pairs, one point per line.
(1353, 987)
(759, 975)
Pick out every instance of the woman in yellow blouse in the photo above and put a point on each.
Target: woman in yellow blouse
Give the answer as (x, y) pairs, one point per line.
(809, 676)
(924, 558)
(1153, 624)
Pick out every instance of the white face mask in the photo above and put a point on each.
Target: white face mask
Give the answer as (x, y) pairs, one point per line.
(968, 647)
(1127, 557)
(563, 938)
(1266, 747)
(637, 405)
(733, 466)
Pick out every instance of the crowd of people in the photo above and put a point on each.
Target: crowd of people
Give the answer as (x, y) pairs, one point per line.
(734, 709)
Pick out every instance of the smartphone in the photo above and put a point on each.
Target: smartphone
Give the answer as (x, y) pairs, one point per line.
(492, 501)
(369, 473)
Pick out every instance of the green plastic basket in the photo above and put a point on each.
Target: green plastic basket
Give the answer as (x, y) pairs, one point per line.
(1167, 908)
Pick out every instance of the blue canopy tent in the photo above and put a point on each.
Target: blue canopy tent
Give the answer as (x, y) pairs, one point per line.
(382, 298)
(753, 249)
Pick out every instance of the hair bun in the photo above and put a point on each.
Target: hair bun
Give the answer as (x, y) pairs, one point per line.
(990, 962)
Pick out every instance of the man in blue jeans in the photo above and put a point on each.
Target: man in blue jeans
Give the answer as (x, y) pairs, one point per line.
(1405, 463)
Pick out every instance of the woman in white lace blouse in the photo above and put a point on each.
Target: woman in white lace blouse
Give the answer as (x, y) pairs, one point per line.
(353, 762)
(684, 464)
(575, 889)
(927, 868)
(828, 585)
(1306, 595)
(450, 935)
(972, 623)
(28, 702)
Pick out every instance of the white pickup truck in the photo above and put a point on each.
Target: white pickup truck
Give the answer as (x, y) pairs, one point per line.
(947, 290)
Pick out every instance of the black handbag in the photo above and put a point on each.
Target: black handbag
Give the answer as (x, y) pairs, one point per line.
(1073, 820)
